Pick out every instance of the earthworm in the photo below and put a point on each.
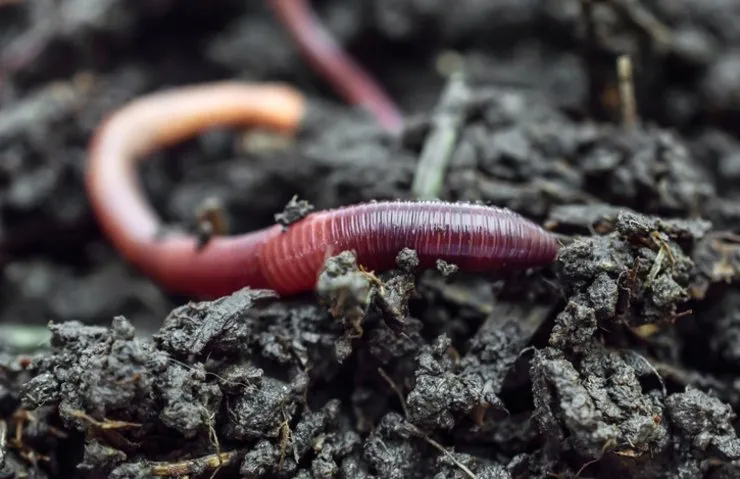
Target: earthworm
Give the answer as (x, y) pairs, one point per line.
(347, 77)
(286, 260)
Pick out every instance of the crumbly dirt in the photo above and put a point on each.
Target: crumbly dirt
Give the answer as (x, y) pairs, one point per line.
(618, 360)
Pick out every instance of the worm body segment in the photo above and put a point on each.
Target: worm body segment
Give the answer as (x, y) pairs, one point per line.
(476, 238)
(327, 57)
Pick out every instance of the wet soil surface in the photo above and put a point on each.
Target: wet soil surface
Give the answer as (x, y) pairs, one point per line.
(619, 360)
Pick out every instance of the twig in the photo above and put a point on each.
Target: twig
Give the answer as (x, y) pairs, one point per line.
(396, 389)
(626, 91)
(212, 462)
(643, 19)
(326, 56)
(420, 434)
(446, 123)
(652, 369)
(588, 52)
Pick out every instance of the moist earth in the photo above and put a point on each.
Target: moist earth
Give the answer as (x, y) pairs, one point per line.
(618, 360)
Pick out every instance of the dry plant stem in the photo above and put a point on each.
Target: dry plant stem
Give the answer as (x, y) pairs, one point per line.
(627, 91)
(446, 123)
(396, 389)
(424, 437)
(322, 51)
(212, 462)
(588, 47)
(633, 11)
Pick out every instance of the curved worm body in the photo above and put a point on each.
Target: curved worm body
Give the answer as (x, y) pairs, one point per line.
(476, 238)
(349, 79)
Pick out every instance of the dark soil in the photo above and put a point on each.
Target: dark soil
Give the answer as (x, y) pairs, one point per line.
(620, 360)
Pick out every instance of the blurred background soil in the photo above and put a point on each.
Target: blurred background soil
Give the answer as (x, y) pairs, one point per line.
(619, 360)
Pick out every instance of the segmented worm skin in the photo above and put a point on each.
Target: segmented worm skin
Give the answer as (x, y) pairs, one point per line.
(289, 261)
(475, 238)
(349, 79)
